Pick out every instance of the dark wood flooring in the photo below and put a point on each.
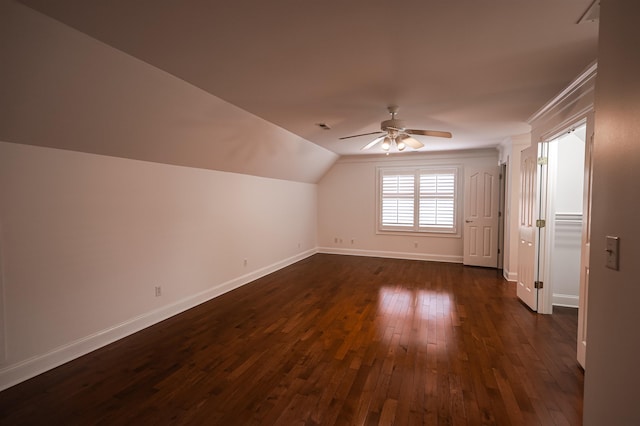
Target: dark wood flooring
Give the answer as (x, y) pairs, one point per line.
(329, 340)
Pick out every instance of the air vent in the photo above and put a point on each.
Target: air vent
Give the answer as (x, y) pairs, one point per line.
(323, 126)
(592, 14)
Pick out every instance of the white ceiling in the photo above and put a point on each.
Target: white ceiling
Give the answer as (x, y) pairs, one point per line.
(476, 68)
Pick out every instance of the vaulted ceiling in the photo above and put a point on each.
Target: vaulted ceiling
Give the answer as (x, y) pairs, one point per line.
(476, 68)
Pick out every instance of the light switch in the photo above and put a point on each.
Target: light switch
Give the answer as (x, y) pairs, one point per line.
(613, 253)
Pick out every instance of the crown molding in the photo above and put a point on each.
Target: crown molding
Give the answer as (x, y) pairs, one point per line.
(582, 84)
(420, 156)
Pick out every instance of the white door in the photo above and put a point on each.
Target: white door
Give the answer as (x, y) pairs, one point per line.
(481, 217)
(527, 259)
(586, 245)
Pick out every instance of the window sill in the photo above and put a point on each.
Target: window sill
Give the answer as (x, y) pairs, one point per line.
(431, 234)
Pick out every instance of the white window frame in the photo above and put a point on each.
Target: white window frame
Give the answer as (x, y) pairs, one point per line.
(414, 227)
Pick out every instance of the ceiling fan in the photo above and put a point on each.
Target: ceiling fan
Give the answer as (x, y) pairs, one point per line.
(394, 133)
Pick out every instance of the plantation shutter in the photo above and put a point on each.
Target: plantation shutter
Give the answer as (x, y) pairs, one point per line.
(418, 200)
(398, 192)
(437, 200)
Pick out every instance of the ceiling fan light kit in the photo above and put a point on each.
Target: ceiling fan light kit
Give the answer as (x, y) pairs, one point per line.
(395, 133)
(388, 142)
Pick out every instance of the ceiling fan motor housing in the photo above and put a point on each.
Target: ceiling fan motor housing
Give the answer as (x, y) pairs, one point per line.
(392, 124)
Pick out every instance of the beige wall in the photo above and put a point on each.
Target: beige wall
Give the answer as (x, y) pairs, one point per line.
(86, 238)
(613, 341)
(347, 207)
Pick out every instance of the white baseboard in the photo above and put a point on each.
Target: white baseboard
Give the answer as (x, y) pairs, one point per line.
(566, 300)
(24, 370)
(392, 254)
(510, 276)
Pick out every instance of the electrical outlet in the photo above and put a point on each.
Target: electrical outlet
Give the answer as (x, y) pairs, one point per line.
(415, 244)
(335, 240)
(353, 241)
(158, 291)
(245, 262)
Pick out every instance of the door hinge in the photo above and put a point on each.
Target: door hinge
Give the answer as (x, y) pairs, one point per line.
(542, 161)
(538, 284)
(541, 223)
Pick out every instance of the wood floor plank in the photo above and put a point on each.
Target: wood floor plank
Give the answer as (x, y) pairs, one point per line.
(330, 340)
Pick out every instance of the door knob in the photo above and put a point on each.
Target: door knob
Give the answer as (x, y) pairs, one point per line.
(468, 220)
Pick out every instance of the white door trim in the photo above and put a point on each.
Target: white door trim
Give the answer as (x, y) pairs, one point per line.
(586, 243)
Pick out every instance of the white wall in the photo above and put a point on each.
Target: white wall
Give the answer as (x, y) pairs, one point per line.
(566, 156)
(86, 238)
(570, 173)
(613, 345)
(347, 207)
(87, 229)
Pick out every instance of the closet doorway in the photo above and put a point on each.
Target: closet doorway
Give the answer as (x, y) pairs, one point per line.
(564, 218)
(566, 206)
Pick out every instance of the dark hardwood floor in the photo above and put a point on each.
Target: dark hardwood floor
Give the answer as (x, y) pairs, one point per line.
(329, 340)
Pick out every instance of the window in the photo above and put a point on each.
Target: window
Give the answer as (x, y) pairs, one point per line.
(418, 200)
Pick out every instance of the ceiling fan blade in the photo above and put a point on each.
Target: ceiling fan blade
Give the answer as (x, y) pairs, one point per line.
(434, 133)
(411, 142)
(372, 143)
(363, 134)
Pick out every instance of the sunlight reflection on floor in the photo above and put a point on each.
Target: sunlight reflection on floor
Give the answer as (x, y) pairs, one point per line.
(413, 316)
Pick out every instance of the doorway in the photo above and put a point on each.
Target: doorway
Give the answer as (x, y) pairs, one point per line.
(555, 218)
(564, 217)
(551, 220)
(565, 256)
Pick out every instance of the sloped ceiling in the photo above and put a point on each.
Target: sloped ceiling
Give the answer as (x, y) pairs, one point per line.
(476, 68)
(62, 89)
